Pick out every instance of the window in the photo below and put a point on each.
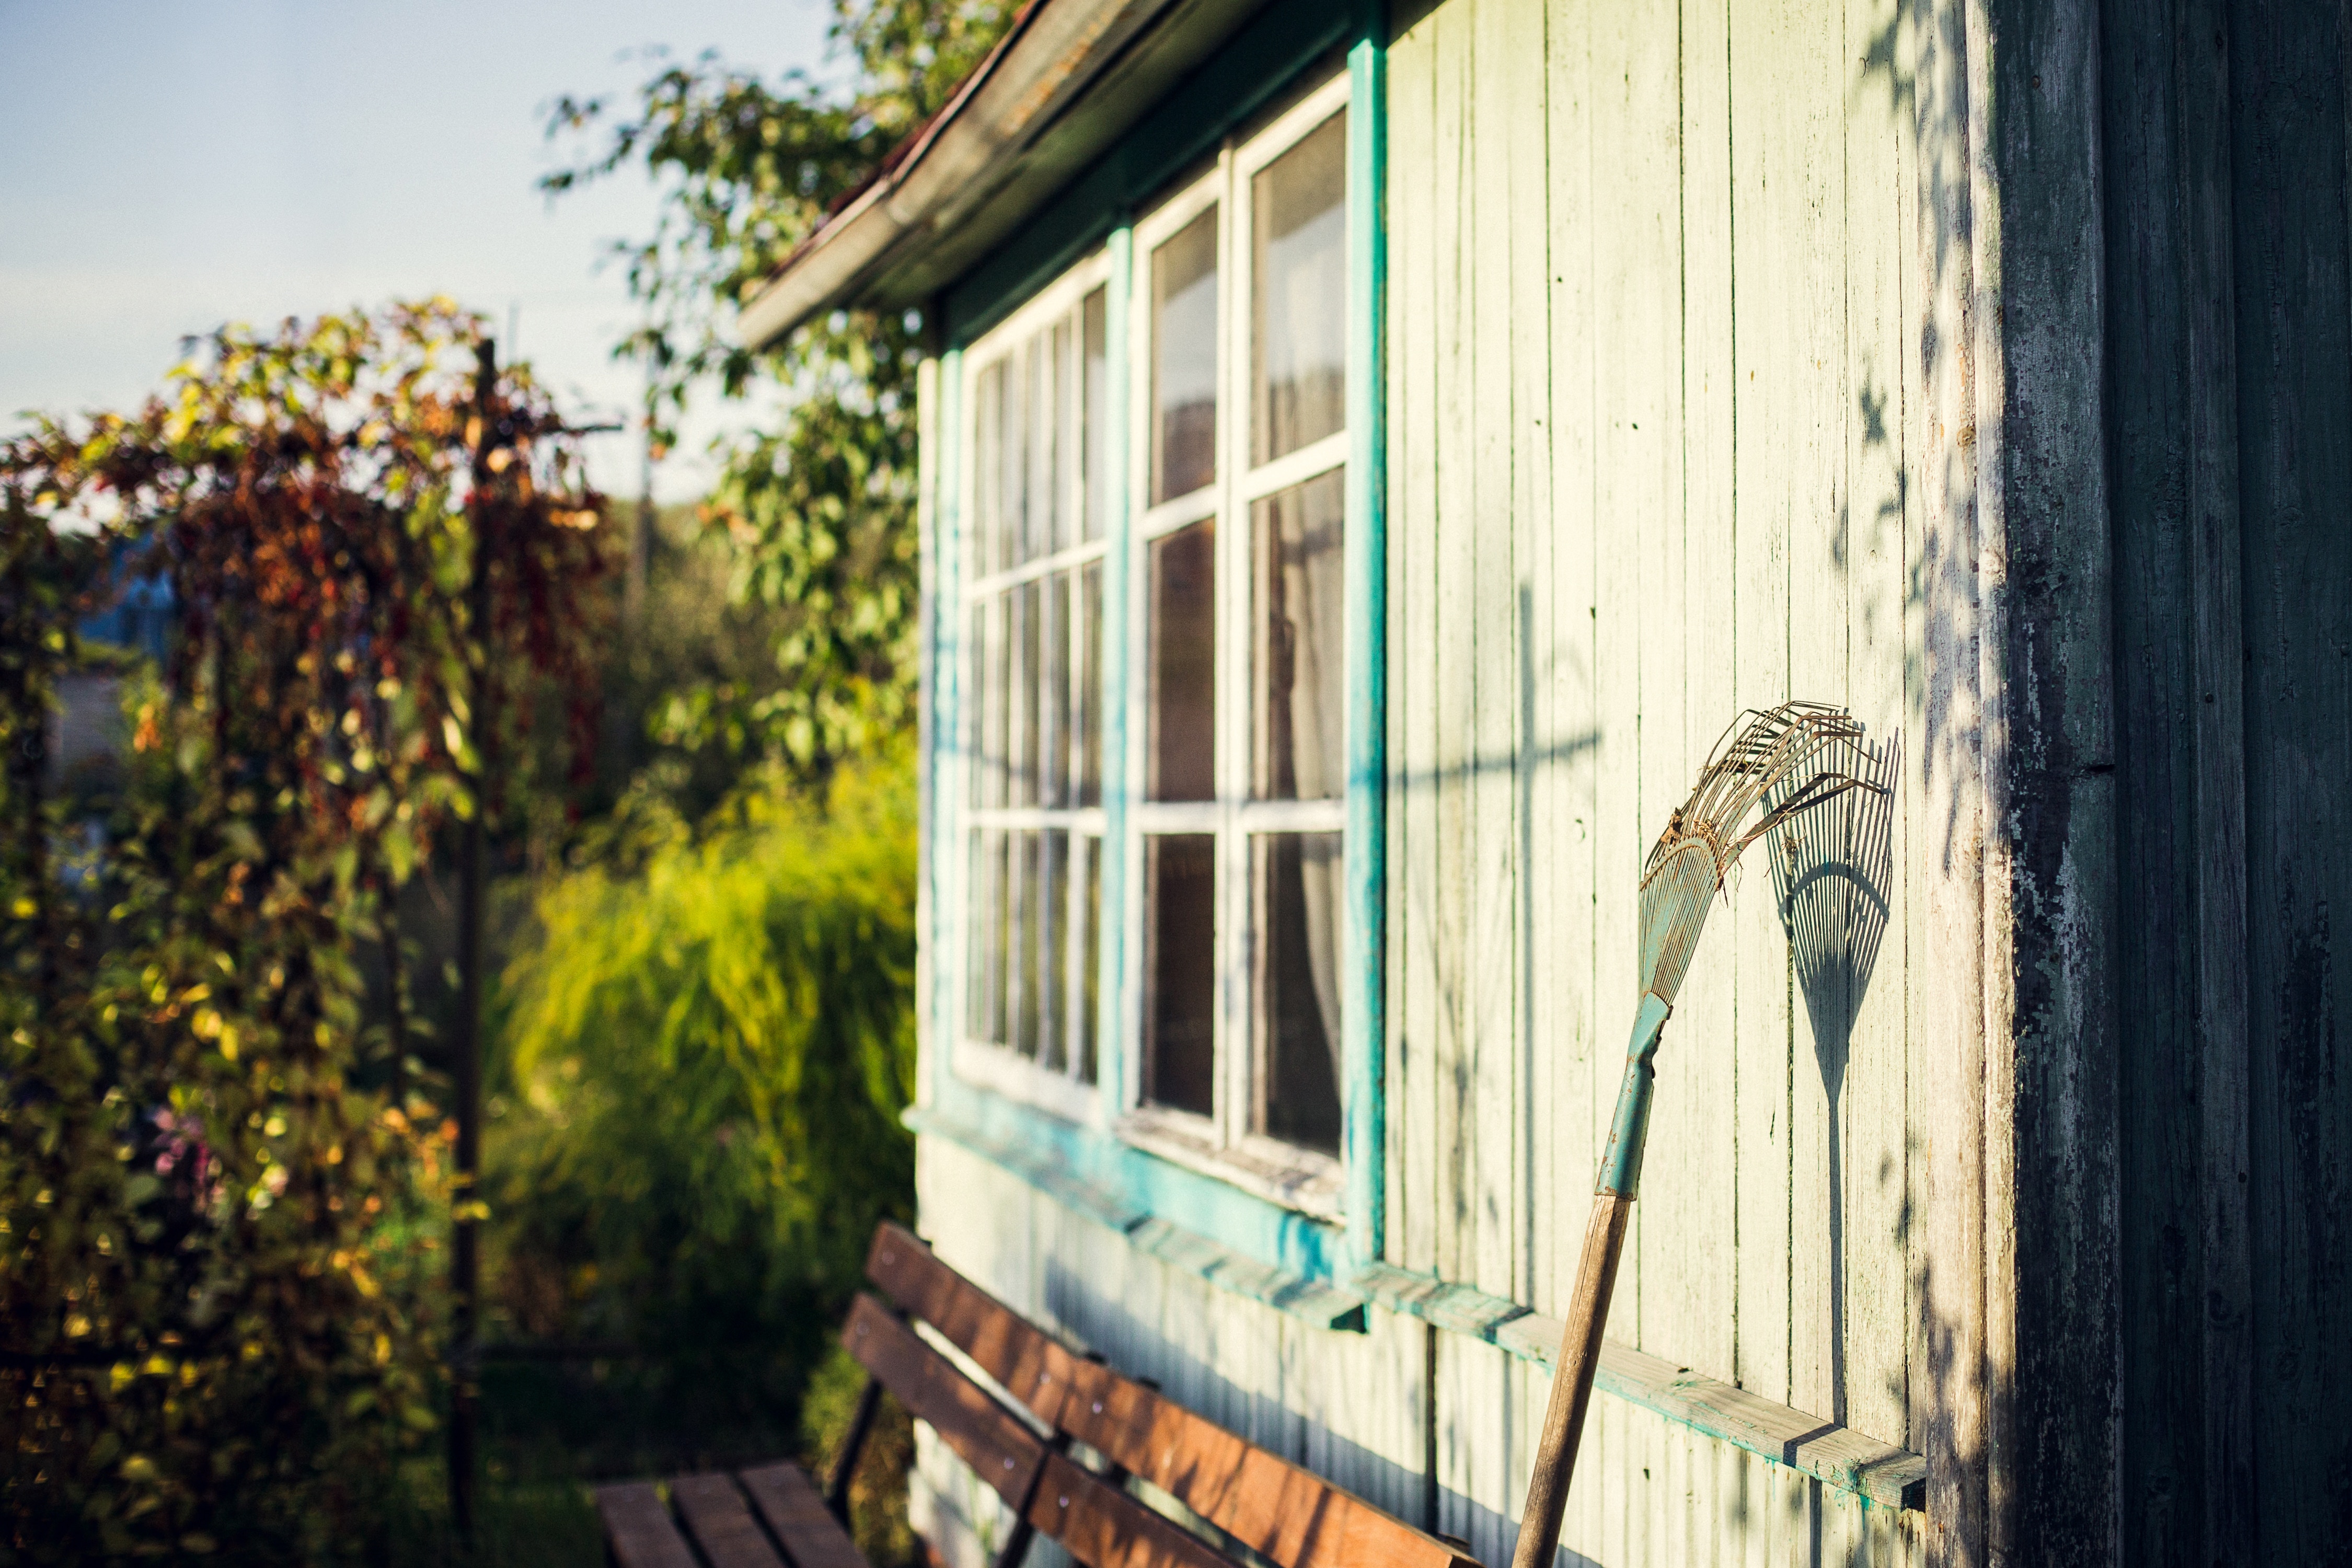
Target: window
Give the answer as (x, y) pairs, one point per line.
(1238, 640)
(1039, 502)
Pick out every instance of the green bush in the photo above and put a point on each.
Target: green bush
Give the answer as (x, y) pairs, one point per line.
(709, 1041)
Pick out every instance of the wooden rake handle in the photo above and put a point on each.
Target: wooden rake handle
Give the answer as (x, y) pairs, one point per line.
(1588, 1309)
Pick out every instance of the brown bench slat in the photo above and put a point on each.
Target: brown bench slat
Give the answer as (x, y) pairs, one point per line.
(990, 1439)
(788, 1500)
(1287, 1514)
(721, 1522)
(1103, 1527)
(639, 1528)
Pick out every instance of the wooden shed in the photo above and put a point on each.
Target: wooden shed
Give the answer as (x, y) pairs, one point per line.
(1371, 455)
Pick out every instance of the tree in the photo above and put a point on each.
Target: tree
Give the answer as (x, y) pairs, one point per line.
(216, 1217)
(822, 509)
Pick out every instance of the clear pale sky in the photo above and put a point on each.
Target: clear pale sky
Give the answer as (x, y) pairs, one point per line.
(166, 167)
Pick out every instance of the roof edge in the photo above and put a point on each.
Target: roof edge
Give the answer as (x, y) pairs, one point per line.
(1053, 51)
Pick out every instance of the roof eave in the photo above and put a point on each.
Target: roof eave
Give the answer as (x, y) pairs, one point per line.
(982, 154)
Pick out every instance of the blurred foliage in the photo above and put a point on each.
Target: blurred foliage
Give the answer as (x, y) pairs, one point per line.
(220, 1219)
(707, 1046)
(877, 1491)
(821, 509)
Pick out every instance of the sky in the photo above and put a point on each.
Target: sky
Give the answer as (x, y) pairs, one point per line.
(166, 167)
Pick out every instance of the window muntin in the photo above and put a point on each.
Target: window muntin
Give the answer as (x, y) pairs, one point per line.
(1240, 819)
(1034, 611)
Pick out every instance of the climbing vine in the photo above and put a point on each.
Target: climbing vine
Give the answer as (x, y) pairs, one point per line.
(221, 1195)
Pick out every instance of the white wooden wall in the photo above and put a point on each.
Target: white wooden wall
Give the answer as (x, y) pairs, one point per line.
(1650, 418)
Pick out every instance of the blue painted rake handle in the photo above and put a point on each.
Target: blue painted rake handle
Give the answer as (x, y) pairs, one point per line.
(1588, 1307)
(1620, 1162)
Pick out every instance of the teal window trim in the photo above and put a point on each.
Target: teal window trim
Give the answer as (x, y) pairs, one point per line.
(1363, 935)
(1260, 62)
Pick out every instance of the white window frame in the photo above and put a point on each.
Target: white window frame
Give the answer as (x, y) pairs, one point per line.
(1223, 1144)
(985, 1063)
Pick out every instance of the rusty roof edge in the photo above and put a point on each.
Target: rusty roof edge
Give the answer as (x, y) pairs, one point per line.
(1055, 48)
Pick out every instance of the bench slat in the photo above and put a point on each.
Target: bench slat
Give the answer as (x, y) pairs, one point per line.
(1002, 1452)
(1278, 1509)
(788, 1500)
(1103, 1527)
(639, 1528)
(721, 1522)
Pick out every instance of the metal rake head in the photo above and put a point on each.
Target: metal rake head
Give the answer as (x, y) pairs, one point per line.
(1773, 747)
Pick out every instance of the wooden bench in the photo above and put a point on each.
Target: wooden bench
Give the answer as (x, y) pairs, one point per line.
(775, 1515)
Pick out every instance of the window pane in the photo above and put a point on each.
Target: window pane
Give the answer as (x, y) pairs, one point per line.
(1088, 699)
(1183, 738)
(1094, 332)
(1090, 950)
(989, 693)
(1022, 976)
(1066, 444)
(1024, 695)
(1298, 660)
(997, 934)
(1037, 518)
(1297, 899)
(1049, 977)
(1180, 883)
(1054, 676)
(1013, 461)
(1298, 267)
(979, 902)
(988, 481)
(1184, 360)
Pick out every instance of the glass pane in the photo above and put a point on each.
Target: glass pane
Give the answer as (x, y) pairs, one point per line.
(1065, 445)
(1089, 701)
(1095, 335)
(979, 901)
(988, 482)
(1184, 738)
(1025, 686)
(1180, 884)
(1090, 950)
(1299, 658)
(1184, 360)
(1298, 268)
(1054, 676)
(998, 934)
(1037, 518)
(1053, 949)
(1024, 973)
(989, 648)
(1296, 892)
(1013, 462)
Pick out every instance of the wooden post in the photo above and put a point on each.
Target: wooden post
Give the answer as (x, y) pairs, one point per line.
(466, 1067)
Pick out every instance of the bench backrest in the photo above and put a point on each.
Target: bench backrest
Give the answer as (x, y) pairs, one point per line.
(1288, 1515)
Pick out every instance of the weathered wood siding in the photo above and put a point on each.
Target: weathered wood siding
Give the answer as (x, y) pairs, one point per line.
(2229, 316)
(1654, 279)
(1354, 1407)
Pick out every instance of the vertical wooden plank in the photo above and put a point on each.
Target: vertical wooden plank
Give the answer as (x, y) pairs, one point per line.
(1455, 520)
(1638, 273)
(1876, 1152)
(1949, 992)
(2294, 244)
(1771, 347)
(1491, 968)
(1412, 864)
(1535, 831)
(1802, 163)
(1687, 1196)
(1574, 1043)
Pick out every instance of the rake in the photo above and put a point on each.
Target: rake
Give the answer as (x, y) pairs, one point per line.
(1773, 760)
